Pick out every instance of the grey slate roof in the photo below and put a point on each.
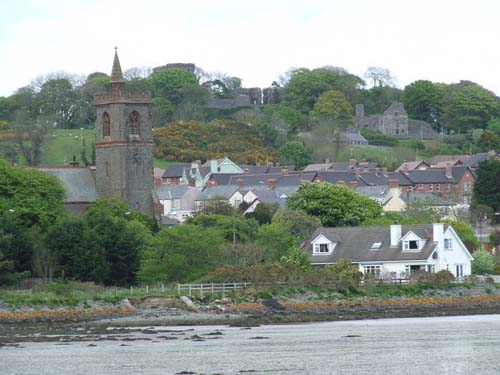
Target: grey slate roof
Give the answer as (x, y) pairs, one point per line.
(334, 177)
(403, 180)
(354, 137)
(372, 178)
(255, 169)
(355, 243)
(175, 170)
(426, 176)
(318, 167)
(225, 191)
(167, 192)
(79, 182)
(223, 178)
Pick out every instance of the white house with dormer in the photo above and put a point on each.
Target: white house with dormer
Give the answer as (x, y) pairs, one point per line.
(395, 250)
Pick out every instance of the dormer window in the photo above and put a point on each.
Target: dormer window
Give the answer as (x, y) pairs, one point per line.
(321, 248)
(376, 246)
(410, 245)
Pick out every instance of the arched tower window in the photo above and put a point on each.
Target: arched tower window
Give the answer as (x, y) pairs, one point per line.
(106, 127)
(133, 123)
(106, 168)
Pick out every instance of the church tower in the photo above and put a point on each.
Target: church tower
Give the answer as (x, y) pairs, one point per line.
(124, 146)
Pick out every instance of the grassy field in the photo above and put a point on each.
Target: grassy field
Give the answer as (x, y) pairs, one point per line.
(62, 144)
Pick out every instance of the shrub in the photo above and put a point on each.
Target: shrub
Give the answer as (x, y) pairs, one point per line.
(482, 263)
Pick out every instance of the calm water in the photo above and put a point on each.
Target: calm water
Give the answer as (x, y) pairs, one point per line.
(451, 345)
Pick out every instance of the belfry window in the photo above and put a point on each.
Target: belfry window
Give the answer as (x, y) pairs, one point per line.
(133, 123)
(106, 127)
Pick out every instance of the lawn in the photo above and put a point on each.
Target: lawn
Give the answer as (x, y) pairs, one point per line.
(62, 144)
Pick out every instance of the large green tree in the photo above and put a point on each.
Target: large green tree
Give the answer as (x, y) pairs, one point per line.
(31, 196)
(334, 205)
(468, 106)
(182, 253)
(332, 105)
(423, 100)
(173, 84)
(487, 186)
(294, 153)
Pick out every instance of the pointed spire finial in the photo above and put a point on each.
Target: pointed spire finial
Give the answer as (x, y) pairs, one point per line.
(116, 71)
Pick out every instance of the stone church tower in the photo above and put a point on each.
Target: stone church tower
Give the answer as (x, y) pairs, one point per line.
(124, 146)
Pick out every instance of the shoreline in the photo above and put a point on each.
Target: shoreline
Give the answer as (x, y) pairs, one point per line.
(97, 324)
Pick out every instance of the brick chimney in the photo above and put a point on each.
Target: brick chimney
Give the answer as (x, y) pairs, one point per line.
(353, 184)
(393, 184)
(384, 170)
(352, 163)
(377, 170)
(245, 171)
(271, 183)
(448, 170)
(239, 182)
(284, 172)
(357, 171)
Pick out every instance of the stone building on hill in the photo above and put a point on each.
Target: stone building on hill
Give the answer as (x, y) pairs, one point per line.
(394, 122)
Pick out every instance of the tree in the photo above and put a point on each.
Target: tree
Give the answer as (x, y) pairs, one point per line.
(297, 257)
(75, 252)
(276, 240)
(423, 100)
(171, 84)
(300, 223)
(305, 86)
(264, 212)
(487, 186)
(243, 229)
(482, 263)
(332, 105)
(334, 205)
(182, 253)
(489, 141)
(468, 106)
(378, 98)
(294, 153)
(379, 76)
(466, 234)
(494, 126)
(31, 196)
(59, 101)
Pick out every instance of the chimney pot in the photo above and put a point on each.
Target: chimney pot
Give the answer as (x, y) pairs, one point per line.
(284, 172)
(239, 182)
(340, 182)
(353, 184)
(271, 183)
(393, 184)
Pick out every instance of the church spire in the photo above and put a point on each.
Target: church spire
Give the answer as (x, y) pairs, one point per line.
(116, 72)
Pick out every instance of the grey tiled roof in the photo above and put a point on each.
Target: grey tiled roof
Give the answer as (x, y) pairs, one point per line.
(354, 137)
(355, 243)
(79, 182)
(175, 170)
(167, 192)
(289, 168)
(426, 176)
(334, 177)
(225, 191)
(403, 180)
(318, 167)
(372, 178)
(255, 169)
(426, 198)
(223, 178)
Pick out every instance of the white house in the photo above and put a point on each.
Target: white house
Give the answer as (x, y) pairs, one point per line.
(177, 202)
(394, 250)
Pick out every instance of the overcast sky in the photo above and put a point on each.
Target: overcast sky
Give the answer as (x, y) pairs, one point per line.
(439, 40)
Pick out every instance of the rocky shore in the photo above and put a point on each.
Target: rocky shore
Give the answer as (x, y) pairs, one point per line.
(152, 311)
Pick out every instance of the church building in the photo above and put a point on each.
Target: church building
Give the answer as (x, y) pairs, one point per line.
(124, 152)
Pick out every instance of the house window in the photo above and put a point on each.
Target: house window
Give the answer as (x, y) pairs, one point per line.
(372, 269)
(410, 245)
(321, 248)
(448, 244)
(106, 127)
(420, 186)
(448, 187)
(430, 187)
(438, 187)
(168, 180)
(176, 204)
(410, 189)
(431, 268)
(376, 246)
(460, 270)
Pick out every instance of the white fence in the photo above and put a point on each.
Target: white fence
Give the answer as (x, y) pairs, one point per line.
(209, 288)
